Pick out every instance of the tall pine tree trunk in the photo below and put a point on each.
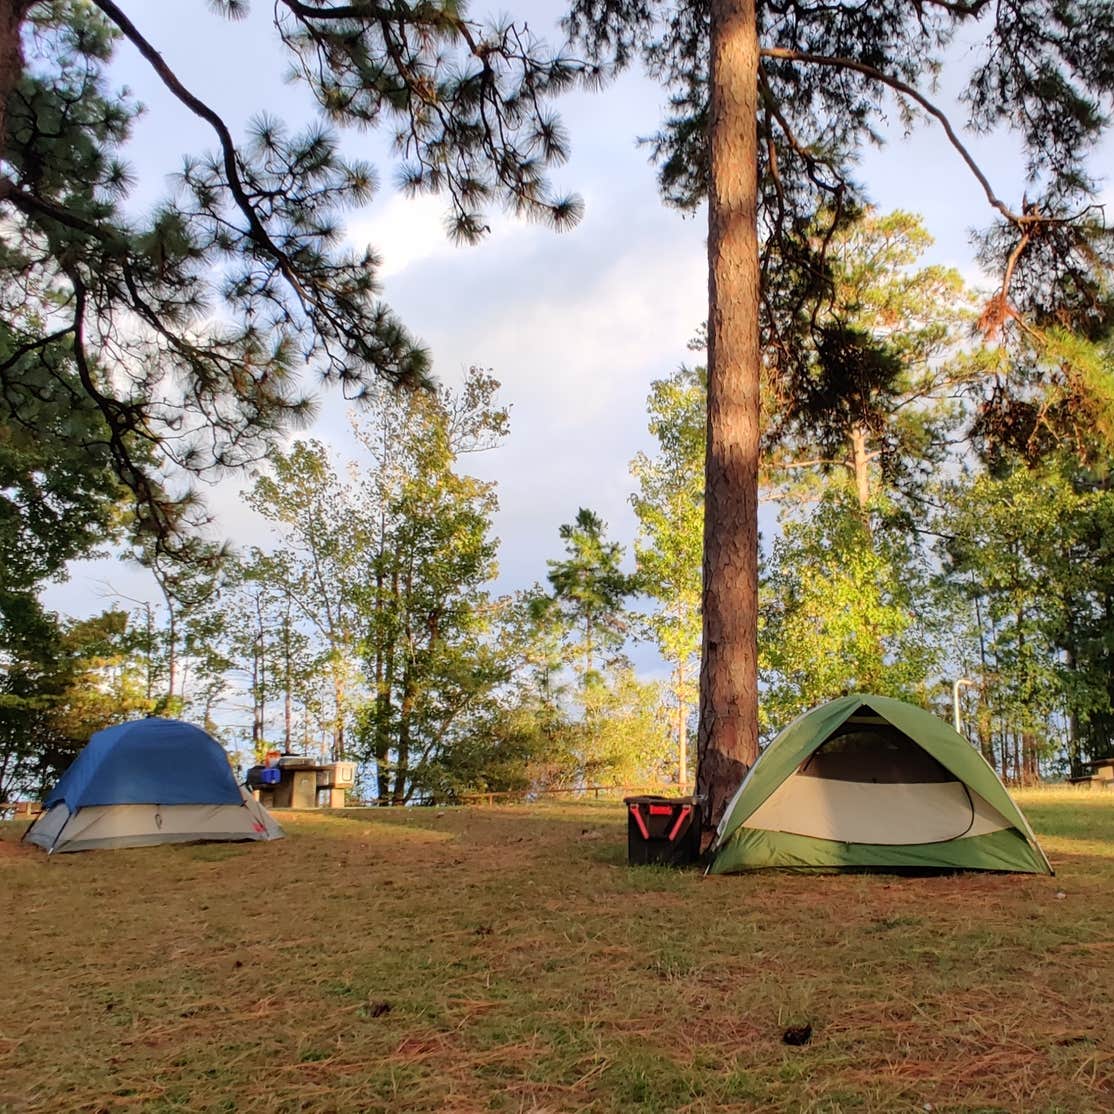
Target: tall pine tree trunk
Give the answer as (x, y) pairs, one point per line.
(728, 739)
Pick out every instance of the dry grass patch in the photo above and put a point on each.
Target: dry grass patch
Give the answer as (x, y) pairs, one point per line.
(507, 959)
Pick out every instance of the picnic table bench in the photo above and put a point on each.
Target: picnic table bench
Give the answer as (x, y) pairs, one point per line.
(1101, 775)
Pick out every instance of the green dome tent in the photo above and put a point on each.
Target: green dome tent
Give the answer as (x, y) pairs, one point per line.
(869, 781)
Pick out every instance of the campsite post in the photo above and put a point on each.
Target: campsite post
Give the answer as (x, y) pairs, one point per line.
(955, 701)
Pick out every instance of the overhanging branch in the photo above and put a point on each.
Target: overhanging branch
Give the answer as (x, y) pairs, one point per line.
(914, 94)
(169, 78)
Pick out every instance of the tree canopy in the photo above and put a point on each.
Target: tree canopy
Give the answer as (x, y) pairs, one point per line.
(771, 106)
(177, 337)
(180, 334)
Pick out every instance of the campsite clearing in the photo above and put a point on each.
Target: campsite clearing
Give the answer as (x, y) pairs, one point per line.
(507, 959)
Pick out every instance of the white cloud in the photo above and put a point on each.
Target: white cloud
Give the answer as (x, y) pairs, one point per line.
(405, 231)
(402, 231)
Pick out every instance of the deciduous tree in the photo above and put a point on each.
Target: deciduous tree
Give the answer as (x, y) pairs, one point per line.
(1027, 558)
(432, 659)
(895, 370)
(844, 610)
(670, 508)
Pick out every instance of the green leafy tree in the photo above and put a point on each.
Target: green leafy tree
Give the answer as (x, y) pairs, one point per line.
(61, 681)
(625, 738)
(378, 581)
(255, 639)
(432, 661)
(526, 735)
(187, 584)
(1027, 555)
(205, 642)
(59, 497)
(844, 610)
(669, 504)
(613, 731)
(517, 745)
(316, 564)
(892, 361)
(590, 590)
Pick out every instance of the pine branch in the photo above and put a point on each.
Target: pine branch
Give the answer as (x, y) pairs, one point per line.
(257, 232)
(903, 87)
(31, 204)
(964, 11)
(33, 346)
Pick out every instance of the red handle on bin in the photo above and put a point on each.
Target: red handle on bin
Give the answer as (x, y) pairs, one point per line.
(685, 810)
(639, 821)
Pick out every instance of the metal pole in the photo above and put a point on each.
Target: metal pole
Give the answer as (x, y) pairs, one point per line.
(955, 702)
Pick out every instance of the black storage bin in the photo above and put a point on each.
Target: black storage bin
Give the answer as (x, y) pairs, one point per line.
(662, 830)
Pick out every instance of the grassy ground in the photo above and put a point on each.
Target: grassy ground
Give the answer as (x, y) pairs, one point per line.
(507, 959)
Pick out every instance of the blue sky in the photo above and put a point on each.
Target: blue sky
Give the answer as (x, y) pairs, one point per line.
(575, 325)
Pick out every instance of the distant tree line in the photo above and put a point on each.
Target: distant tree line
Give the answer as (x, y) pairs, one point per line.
(142, 352)
(913, 549)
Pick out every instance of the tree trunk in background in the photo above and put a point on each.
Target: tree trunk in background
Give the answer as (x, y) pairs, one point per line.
(171, 651)
(340, 700)
(150, 649)
(384, 699)
(728, 737)
(1032, 760)
(12, 13)
(986, 731)
(682, 730)
(257, 683)
(287, 685)
(860, 464)
(1074, 763)
(399, 794)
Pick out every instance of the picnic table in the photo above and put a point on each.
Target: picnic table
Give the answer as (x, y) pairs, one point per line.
(1101, 775)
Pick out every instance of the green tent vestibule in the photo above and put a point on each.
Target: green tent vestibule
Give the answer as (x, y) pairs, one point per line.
(872, 782)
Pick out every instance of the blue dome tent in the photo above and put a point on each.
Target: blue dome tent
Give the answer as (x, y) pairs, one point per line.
(145, 782)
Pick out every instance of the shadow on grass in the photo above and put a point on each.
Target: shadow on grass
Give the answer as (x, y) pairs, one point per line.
(589, 815)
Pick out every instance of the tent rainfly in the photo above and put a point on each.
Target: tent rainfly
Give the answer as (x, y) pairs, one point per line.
(869, 781)
(145, 782)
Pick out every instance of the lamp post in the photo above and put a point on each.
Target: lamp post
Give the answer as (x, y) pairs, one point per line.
(955, 701)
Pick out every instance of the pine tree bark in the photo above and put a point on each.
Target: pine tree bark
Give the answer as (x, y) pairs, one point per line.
(12, 14)
(727, 744)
